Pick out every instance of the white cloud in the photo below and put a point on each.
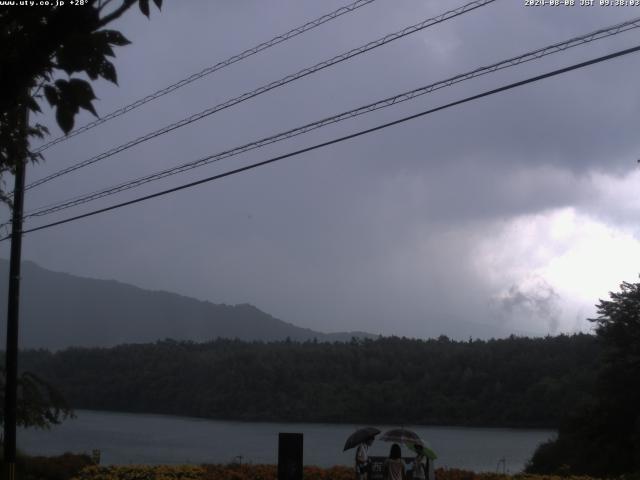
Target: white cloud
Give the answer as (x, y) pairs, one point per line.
(556, 264)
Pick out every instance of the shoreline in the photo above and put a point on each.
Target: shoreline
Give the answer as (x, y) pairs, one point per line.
(472, 426)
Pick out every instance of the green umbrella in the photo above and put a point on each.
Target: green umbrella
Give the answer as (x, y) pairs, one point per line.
(430, 454)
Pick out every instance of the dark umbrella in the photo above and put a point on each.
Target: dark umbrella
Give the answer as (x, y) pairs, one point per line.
(360, 436)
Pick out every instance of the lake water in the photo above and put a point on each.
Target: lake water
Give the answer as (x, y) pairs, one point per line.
(125, 438)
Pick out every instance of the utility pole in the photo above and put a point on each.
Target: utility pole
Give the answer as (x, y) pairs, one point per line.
(11, 362)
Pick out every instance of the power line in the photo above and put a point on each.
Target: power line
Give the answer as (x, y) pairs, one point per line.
(341, 139)
(209, 70)
(387, 102)
(265, 88)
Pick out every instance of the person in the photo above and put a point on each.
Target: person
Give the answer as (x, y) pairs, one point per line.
(422, 465)
(362, 459)
(394, 465)
(419, 463)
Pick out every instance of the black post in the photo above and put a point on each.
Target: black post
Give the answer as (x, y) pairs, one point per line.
(11, 362)
(290, 448)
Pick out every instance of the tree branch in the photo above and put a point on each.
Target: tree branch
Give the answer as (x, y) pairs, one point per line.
(117, 13)
(102, 4)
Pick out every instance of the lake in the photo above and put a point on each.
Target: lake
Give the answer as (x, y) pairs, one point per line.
(125, 438)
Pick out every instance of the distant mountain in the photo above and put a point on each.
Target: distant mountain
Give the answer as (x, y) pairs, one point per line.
(59, 310)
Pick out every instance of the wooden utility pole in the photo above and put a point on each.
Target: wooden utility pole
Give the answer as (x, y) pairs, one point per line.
(11, 362)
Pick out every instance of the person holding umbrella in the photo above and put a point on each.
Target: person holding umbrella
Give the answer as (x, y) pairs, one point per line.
(362, 459)
(423, 462)
(362, 439)
(419, 463)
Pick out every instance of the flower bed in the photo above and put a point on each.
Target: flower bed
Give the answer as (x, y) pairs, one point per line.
(269, 472)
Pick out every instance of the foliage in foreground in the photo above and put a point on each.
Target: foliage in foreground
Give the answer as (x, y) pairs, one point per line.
(79, 467)
(61, 467)
(39, 47)
(269, 472)
(604, 438)
(39, 404)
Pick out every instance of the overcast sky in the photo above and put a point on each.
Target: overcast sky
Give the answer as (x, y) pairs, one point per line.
(510, 214)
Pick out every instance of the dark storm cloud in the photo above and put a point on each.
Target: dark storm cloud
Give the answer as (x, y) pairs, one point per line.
(375, 234)
(540, 301)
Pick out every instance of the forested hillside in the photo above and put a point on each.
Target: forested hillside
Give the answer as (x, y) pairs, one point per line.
(509, 382)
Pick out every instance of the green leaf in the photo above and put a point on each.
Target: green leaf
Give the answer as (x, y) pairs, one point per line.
(108, 51)
(99, 45)
(82, 94)
(93, 68)
(84, 53)
(89, 107)
(64, 117)
(34, 132)
(75, 54)
(144, 7)
(81, 90)
(72, 95)
(37, 130)
(61, 85)
(108, 71)
(51, 94)
(115, 38)
(33, 105)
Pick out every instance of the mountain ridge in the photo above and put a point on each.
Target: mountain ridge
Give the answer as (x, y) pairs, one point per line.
(60, 310)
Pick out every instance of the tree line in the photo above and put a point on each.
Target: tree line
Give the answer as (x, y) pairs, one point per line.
(602, 436)
(518, 382)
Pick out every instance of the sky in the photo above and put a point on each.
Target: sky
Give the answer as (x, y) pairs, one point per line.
(514, 213)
